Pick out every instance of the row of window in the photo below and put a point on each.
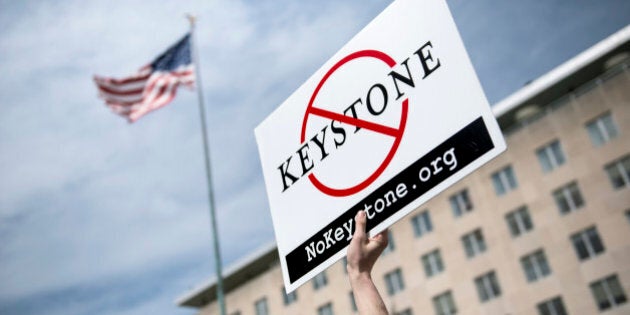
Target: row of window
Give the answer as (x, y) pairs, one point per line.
(519, 222)
(607, 292)
(601, 130)
(551, 156)
(504, 180)
(587, 244)
(567, 198)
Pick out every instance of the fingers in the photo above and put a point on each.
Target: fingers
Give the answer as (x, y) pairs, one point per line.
(383, 236)
(379, 241)
(360, 221)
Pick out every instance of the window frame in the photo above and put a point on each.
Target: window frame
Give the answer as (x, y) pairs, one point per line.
(320, 280)
(504, 180)
(583, 238)
(598, 126)
(288, 298)
(422, 224)
(623, 173)
(477, 243)
(552, 306)
(261, 302)
(406, 311)
(460, 203)
(568, 198)
(551, 156)
(519, 221)
(327, 308)
(394, 281)
(433, 263)
(442, 303)
(538, 265)
(488, 287)
(607, 284)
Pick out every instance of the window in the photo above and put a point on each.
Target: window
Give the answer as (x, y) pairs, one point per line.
(550, 156)
(353, 302)
(320, 280)
(432, 263)
(608, 293)
(460, 203)
(504, 181)
(568, 198)
(422, 223)
(444, 304)
(474, 243)
(619, 172)
(325, 309)
(390, 244)
(394, 281)
(405, 312)
(288, 298)
(535, 265)
(487, 286)
(602, 129)
(261, 307)
(553, 306)
(519, 221)
(587, 243)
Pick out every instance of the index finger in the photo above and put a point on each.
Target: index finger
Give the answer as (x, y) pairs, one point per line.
(360, 222)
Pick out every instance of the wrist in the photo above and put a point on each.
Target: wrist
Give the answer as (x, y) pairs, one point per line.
(356, 275)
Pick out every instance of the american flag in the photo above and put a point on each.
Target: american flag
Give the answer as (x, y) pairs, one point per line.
(153, 86)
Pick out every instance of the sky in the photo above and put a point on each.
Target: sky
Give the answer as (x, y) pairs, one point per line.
(98, 216)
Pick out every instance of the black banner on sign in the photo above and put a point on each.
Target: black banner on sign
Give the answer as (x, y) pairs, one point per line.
(461, 149)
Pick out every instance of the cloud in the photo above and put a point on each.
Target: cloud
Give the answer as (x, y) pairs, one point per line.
(100, 217)
(143, 292)
(89, 203)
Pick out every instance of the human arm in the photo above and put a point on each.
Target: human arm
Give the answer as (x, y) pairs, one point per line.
(362, 254)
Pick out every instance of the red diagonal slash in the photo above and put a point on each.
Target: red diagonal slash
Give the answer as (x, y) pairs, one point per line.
(354, 121)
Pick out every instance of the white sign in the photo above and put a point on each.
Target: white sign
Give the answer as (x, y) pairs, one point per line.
(392, 119)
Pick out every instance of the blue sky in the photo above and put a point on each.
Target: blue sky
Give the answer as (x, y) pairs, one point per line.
(101, 217)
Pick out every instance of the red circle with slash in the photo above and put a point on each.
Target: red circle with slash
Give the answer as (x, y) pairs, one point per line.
(396, 133)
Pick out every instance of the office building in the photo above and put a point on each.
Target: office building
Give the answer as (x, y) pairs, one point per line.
(542, 229)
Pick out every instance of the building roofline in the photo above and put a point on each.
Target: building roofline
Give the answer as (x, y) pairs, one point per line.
(230, 271)
(595, 52)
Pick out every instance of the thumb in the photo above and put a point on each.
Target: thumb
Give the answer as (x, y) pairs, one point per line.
(360, 221)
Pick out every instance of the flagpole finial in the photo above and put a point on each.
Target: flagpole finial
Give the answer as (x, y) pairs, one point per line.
(192, 19)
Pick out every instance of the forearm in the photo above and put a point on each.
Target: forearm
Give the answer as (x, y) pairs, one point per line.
(367, 298)
(362, 254)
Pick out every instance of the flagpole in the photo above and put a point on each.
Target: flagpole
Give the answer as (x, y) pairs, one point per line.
(206, 150)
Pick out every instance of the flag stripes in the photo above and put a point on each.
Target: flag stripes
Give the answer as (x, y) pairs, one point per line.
(152, 87)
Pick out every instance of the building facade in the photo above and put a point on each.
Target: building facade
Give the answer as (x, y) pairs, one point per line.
(542, 229)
